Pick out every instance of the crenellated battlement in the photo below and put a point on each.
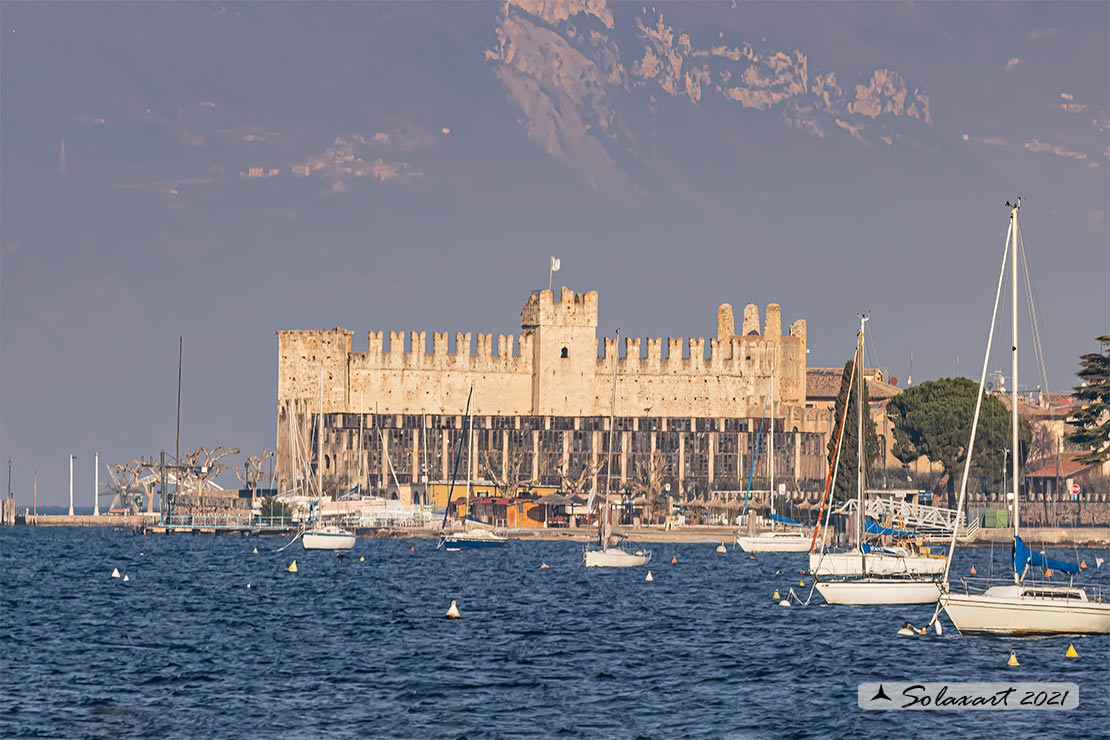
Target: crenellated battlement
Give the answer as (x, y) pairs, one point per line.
(557, 365)
(572, 309)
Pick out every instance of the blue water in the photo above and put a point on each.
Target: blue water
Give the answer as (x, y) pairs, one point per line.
(350, 649)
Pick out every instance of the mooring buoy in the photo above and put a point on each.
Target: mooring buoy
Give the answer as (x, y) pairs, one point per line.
(115, 572)
(1013, 661)
(453, 611)
(649, 577)
(292, 567)
(1071, 652)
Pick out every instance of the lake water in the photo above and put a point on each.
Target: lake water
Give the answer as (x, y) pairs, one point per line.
(360, 649)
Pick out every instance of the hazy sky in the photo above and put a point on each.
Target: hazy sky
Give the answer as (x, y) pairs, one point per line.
(832, 157)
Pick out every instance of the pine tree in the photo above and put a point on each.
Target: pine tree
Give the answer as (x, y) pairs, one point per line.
(846, 473)
(1092, 419)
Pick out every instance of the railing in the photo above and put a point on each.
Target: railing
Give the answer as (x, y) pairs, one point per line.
(932, 521)
(227, 521)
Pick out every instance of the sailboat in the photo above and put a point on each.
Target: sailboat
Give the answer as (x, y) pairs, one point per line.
(611, 550)
(318, 535)
(869, 575)
(1019, 608)
(472, 537)
(775, 539)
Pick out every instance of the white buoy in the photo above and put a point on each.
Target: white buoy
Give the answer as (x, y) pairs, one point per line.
(784, 602)
(248, 584)
(1098, 563)
(126, 578)
(721, 548)
(254, 551)
(649, 577)
(544, 566)
(937, 628)
(453, 612)
(115, 572)
(905, 632)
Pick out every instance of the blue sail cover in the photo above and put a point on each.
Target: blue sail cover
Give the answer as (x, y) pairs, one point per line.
(1024, 557)
(874, 528)
(784, 520)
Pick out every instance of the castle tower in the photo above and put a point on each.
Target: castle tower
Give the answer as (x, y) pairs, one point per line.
(564, 350)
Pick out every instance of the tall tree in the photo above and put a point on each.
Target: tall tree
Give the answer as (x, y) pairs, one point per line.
(1092, 420)
(849, 448)
(934, 419)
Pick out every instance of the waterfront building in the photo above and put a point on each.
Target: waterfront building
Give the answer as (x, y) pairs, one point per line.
(687, 416)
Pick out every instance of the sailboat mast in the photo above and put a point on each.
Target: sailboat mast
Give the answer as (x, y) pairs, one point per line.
(609, 450)
(1014, 361)
(469, 466)
(320, 439)
(771, 446)
(859, 433)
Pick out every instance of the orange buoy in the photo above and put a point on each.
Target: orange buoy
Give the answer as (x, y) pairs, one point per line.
(972, 570)
(1048, 572)
(674, 560)
(1082, 565)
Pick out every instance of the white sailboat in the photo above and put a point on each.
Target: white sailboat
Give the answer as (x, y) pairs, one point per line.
(472, 536)
(1019, 608)
(775, 539)
(611, 550)
(872, 575)
(318, 535)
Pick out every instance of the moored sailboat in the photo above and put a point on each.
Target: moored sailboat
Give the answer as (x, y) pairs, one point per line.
(867, 574)
(472, 536)
(791, 539)
(1019, 608)
(611, 549)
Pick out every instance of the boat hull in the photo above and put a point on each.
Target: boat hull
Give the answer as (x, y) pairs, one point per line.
(328, 540)
(846, 564)
(878, 591)
(461, 542)
(775, 542)
(1019, 615)
(613, 557)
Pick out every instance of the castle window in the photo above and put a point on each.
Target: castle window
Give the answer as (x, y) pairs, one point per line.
(563, 353)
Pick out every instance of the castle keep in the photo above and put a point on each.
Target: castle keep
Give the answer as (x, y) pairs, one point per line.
(687, 411)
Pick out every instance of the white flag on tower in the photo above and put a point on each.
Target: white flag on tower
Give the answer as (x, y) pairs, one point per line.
(555, 264)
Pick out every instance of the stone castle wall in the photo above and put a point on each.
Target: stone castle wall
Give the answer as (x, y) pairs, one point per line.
(552, 368)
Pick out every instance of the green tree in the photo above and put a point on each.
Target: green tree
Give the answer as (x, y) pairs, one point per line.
(1092, 420)
(849, 448)
(274, 509)
(934, 419)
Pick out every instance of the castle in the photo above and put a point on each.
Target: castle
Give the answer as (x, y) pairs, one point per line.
(686, 414)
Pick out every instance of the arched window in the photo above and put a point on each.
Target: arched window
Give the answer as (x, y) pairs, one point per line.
(563, 353)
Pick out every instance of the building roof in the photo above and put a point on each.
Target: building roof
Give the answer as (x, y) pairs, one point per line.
(823, 384)
(1069, 467)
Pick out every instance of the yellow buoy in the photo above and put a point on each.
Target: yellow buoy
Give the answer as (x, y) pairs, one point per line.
(778, 572)
(801, 583)
(292, 567)
(362, 558)
(1013, 659)
(776, 596)
(545, 566)
(972, 571)
(453, 611)
(254, 551)
(1071, 652)
(674, 560)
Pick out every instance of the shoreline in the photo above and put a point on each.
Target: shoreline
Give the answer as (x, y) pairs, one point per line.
(1090, 537)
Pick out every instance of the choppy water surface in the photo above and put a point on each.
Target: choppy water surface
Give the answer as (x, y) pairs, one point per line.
(360, 649)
